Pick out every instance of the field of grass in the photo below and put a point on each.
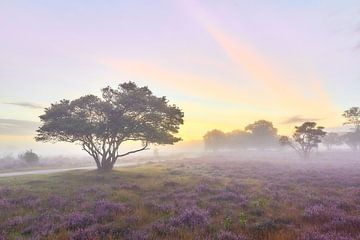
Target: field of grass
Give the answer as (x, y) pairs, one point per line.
(216, 198)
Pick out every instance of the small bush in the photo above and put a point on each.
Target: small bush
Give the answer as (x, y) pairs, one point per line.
(29, 157)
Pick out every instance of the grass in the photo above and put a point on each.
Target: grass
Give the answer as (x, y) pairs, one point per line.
(205, 199)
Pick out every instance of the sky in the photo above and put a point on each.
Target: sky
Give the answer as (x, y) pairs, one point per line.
(225, 63)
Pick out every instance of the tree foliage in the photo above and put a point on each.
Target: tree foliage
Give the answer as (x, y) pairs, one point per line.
(352, 117)
(238, 139)
(263, 134)
(352, 139)
(332, 139)
(214, 140)
(305, 138)
(260, 135)
(101, 125)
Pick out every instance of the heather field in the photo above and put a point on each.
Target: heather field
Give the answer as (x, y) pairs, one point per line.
(201, 198)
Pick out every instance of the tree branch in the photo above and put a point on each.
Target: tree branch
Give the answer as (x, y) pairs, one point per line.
(91, 153)
(134, 151)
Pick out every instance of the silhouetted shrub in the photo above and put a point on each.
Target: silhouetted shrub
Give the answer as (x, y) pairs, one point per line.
(29, 157)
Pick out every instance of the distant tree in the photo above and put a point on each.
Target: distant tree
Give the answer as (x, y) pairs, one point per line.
(29, 157)
(352, 117)
(332, 139)
(214, 140)
(352, 139)
(237, 139)
(305, 138)
(101, 125)
(262, 134)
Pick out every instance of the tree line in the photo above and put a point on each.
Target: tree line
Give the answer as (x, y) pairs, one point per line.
(100, 125)
(262, 135)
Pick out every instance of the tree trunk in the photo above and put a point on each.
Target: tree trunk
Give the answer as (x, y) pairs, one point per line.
(106, 165)
(305, 155)
(106, 159)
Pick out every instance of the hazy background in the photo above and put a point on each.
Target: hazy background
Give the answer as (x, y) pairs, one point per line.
(225, 63)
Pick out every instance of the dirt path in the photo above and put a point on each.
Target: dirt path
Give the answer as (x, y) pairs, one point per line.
(50, 171)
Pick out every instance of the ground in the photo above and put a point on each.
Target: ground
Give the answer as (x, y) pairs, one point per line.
(201, 198)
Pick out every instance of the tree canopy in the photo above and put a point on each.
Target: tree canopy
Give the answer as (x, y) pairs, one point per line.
(101, 125)
(214, 140)
(305, 138)
(352, 117)
(263, 134)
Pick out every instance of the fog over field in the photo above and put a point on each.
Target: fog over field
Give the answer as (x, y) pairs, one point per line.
(180, 120)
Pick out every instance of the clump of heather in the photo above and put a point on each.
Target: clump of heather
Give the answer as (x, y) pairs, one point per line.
(161, 208)
(213, 209)
(315, 212)
(97, 191)
(17, 221)
(29, 201)
(230, 196)
(226, 235)
(192, 217)
(315, 235)
(56, 201)
(203, 188)
(78, 220)
(43, 225)
(129, 186)
(137, 235)
(343, 224)
(2, 237)
(41, 230)
(185, 199)
(5, 204)
(99, 231)
(84, 234)
(132, 219)
(163, 228)
(265, 226)
(105, 210)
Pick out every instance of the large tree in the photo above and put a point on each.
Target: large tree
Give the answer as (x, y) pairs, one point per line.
(101, 125)
(305, 138)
